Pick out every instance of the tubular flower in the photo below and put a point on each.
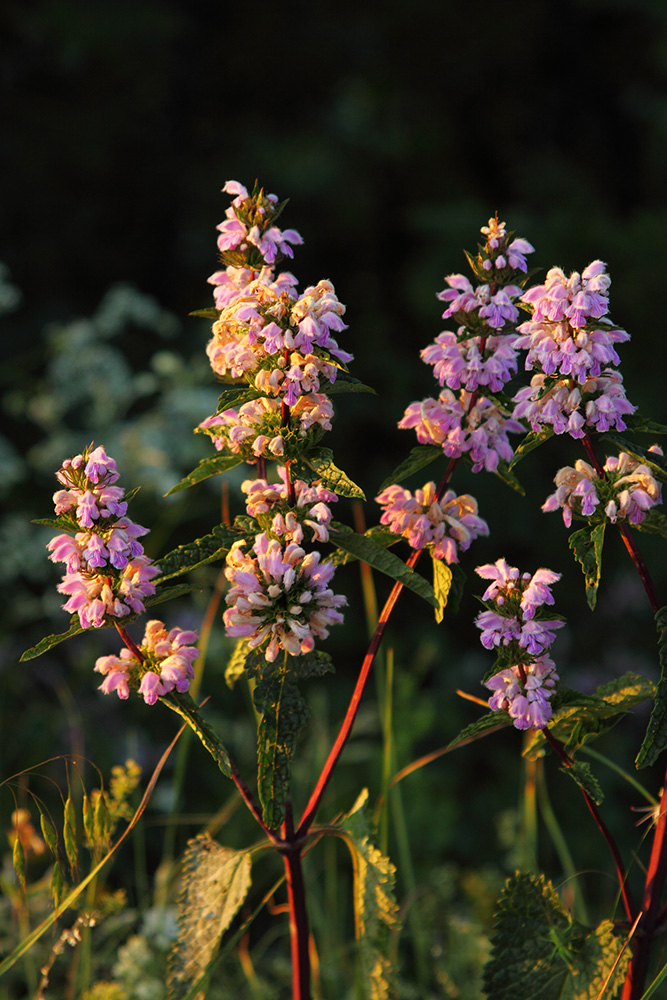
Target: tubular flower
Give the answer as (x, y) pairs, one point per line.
(248, 233)
(600, 404)
(256, 429)
(444, 526)
(480, 431)
(107, 573)
(627, 491)
(269, 505)
(516, 625)
(167, 664)
(280, 597)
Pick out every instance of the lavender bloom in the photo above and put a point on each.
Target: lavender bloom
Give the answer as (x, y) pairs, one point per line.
(168, 659)
(599, 404)
(528, 703)
(269, 504)
(280, 597)
(445, 525)
(107, 574)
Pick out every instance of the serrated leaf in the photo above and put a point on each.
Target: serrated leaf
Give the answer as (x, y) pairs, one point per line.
(214, 884)
(586, 545)
(210, 548)
(655, 739)
(284, 714)
(320, 460)
(420, 456)
(314, 664)
(207, 467)
(487, 724)
(580, 719)
(236, 664)
(62, 523)
(235, 396)
(531, 441)
(644, 425)
(541, 953)
(378, 534)
(386, 562)
(348, 383)
(442, 581)
(163, 594)
(583, 776)
(375, 908)
(184, 706)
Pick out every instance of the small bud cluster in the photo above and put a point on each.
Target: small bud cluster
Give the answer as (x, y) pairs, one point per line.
(107, 573)
(571, 345)
(444, 526)
(480, 356)
(167, 664)
(276, 342)
(626, 492)
(515, 625)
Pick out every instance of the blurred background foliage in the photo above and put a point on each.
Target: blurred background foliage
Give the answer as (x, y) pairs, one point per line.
(395, 132)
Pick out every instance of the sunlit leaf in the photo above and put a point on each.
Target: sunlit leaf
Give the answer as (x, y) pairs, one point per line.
(207, 467)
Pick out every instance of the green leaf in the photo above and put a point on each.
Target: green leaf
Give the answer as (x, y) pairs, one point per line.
(49, 641)
(320, 460)
(483, 726)
(184, 706)
(655, 739)
(531, 441)
(587, 547)
(504, 472)
(214, 884)
(375, 909)
(204, 550)
(348, 383)
(163, 594)
(642, 424)
(442, 581)
(236, 664)
(209, 313)
(284, 714)
(62, 523)
(235, 396)
(579, 719)
(582, 775)
(457, 588)
(207, 467)
(378, 534)
(420, 456)
(314, 664)
(540, 953)
(386, 562)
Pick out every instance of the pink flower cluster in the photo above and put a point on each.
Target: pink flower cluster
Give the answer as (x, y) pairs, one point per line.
(444, 526)
(269, 337)
(167, 664)
(107, 573)
(515, 625)
(256, 429)
(627, 491)
(571, 344)
(269, 505)
(462, 426)
(280, 597)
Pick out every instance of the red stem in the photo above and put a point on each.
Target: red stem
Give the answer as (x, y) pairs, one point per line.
(129, 642)
(620, 870)
(298, 914)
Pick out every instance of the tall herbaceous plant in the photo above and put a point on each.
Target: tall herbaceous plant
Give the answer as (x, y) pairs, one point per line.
(275, 351)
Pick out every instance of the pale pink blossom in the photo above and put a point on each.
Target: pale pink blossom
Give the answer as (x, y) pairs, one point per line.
(446, 525)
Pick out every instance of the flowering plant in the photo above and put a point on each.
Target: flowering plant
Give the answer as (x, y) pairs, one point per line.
(275, 353)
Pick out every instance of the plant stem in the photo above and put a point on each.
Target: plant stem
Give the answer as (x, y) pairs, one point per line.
(129, 642)
(353, 707)
(298, 914)
(611, 843)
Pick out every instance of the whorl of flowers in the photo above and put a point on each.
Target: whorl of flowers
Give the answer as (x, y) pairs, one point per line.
(516, 625)
(256, 429)
(627, 491)
(570, 343)
(107, 573)
(268, 337)
(444, 526)
(167, 664)
(569, 408)
(269, 504)
(280, 597)
(479, 430)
